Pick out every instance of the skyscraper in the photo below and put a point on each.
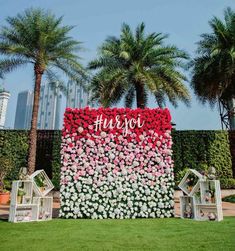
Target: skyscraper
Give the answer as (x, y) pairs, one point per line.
(49, 108)
(4, 97)
(77, 96)
(24, 110)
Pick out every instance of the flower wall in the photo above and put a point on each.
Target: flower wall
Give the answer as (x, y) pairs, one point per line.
(116, 163)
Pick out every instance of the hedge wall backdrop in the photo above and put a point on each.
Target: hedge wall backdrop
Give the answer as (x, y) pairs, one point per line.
(191, 149)
(116, 163)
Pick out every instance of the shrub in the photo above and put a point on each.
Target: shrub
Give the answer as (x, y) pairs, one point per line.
(227, 183)
(56, 160)
(200, 150)
(230, 198)
(14, 144)
(5, 167)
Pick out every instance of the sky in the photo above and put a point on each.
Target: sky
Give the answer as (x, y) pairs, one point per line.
(182, 20)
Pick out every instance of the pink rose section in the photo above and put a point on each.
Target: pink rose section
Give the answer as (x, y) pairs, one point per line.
(110, 172)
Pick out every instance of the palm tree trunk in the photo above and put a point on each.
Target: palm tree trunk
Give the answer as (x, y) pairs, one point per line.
(33, 131)
(140, 95)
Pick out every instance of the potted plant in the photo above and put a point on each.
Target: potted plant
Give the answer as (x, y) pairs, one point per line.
(5, 167)
(40, 181)
(20, 195)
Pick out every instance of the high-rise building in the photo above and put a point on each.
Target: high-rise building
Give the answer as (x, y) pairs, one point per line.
(49, 108)
(4, 97)
(77, 96)
(24, 110)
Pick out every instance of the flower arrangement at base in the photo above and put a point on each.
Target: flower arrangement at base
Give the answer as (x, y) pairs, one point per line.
(116, 163)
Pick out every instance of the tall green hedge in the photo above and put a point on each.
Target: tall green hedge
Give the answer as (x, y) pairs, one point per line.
(200, 150)
(196, 149)
(191, 149)
(14, 145)
(56, 160)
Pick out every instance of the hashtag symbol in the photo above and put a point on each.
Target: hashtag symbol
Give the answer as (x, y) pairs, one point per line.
(98, 122)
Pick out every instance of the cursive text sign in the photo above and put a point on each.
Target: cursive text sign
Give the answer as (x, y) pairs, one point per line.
(125, 124)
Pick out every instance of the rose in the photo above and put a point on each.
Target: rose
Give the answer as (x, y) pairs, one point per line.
(103, 134)
(80, 129)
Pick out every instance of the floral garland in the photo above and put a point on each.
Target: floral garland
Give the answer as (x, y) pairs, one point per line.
(116, 163)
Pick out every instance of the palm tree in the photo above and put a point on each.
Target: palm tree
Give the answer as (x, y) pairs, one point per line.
(214, 66)
(37, 37)
(135, 65)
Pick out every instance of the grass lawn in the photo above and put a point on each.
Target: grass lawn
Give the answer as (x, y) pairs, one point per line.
(139, 234)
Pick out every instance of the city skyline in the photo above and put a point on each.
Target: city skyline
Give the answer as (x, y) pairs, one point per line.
(49, 116)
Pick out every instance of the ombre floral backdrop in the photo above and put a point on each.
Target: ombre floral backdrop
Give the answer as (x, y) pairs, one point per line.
(116, 163)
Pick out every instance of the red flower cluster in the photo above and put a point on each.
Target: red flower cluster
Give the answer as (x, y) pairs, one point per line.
(153, 121)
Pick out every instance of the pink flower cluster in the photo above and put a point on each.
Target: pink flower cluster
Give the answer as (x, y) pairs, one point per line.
(107, 173)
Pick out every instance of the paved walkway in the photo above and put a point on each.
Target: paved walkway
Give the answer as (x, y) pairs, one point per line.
(228, 209)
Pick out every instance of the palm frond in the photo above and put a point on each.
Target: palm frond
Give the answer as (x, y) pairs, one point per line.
(135, 59)
(8, 65)
(214, 66)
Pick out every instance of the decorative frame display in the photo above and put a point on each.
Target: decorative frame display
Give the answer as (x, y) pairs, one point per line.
(204, 200)
(22, 192)
(208, 212)
(116, 163)
(45, 205)
(190, 182)
(26, 205)
(187, 207)
(42, 183)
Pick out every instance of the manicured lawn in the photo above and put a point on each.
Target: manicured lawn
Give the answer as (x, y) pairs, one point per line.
(140, 234)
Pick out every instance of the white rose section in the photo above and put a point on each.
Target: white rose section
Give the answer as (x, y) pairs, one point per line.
(108, 176)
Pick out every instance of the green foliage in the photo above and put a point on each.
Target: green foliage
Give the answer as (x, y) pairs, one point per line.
(39, 180)
(6, 165)
(227, 183)
(50, 47)
(214, 66)
(7, 185)
(200, 150)
(14, 144)
(230, 198)
(135, 64)
(56, 160)
(21, 192)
